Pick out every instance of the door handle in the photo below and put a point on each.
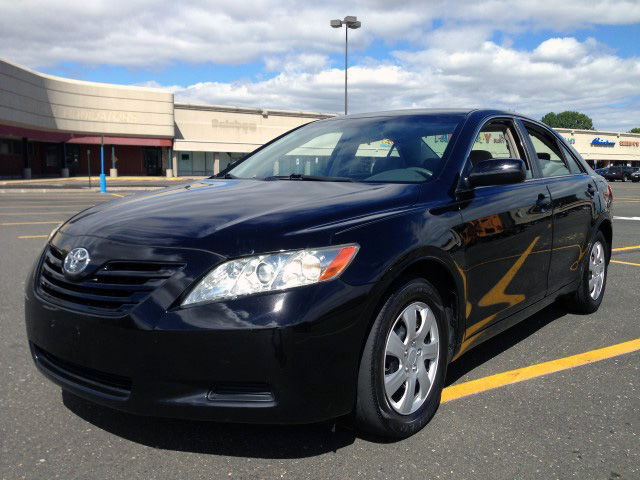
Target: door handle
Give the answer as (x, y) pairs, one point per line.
(591, 191)
(543, 202)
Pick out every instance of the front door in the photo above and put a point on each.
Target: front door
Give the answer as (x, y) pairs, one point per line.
(153, 161)
(506, 233)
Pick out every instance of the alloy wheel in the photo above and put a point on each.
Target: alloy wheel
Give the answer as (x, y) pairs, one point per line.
(411, 358)
(596, 270)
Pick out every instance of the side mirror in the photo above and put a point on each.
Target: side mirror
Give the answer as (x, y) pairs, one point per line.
(497, 171)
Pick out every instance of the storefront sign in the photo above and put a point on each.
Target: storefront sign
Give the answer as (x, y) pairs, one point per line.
(570, 140)
(602, 143)
(487, 137)
(244, 126)
(624, 143)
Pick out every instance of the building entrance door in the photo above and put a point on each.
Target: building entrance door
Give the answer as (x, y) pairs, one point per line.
(153, 161)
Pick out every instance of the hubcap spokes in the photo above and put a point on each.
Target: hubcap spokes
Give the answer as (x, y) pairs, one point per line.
(411, 358)
(596, 270)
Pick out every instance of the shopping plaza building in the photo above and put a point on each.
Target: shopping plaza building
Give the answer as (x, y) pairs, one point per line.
(51, 126)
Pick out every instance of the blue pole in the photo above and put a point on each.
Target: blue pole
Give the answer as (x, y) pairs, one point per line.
(103, 177)
(113, 157)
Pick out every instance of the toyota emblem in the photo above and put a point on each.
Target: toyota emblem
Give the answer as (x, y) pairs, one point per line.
(76, 261)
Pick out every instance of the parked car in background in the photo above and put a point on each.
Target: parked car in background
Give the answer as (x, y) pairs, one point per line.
(635, 176)
(601, 171)
(619, 172)
(339, 268)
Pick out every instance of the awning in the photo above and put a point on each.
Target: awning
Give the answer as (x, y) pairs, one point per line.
(67, 137)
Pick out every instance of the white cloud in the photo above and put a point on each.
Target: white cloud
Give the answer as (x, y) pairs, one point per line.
(450, 60)
(603, 86)
(147, 33)
(561, 50)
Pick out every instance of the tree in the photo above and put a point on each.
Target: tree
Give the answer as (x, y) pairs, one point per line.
(634, 130)
(573, 120)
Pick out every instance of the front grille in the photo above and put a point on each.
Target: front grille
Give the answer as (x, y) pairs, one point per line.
(113, 289)
(85, 378)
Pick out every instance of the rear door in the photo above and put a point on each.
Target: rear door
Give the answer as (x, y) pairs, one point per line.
(506, 234)
(572, 193)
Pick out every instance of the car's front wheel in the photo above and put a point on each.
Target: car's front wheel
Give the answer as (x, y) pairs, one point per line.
(404, 362)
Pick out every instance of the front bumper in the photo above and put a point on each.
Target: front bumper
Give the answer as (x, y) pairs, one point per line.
(287, 357)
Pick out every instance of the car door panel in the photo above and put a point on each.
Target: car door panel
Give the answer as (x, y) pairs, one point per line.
(573, 212)
(573, 215)
(506, 232)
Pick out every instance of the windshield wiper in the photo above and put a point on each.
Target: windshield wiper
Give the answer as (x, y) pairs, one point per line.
(309, 178)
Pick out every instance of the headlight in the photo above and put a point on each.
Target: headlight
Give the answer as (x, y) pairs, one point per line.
(276, 271)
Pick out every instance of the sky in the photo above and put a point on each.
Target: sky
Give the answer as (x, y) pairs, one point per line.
(529, 56)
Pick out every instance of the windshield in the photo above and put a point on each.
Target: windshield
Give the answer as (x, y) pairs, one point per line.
(403, 149)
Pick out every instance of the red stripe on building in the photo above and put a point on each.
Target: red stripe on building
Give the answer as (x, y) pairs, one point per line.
(57, 137)
(144, 142)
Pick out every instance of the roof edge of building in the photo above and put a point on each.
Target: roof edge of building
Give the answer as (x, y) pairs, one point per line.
(250, 110)
(595, 132)
(84, 82)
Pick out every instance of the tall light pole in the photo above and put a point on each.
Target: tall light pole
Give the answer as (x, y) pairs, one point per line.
(348, 22)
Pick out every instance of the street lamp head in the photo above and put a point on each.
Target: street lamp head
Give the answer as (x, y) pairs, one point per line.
(354, 25)
(336, 23)
(350, 19)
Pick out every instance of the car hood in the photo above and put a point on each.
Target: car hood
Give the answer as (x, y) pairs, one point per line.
(240, 217)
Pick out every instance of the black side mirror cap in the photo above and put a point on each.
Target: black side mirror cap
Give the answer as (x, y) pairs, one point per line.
(497, 171)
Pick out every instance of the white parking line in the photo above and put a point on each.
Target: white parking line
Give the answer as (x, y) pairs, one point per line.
(626, 218)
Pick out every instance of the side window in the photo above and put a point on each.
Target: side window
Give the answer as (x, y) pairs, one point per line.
(497, 139)
(550, 158)
(571, 161)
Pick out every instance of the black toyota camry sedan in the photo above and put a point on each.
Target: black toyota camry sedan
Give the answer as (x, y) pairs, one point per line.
(338, 269)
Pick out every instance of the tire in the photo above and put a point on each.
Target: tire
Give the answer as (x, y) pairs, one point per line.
(587, 299)
(380, 411)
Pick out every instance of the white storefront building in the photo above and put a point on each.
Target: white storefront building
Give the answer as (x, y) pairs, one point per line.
(52, 126)
(603, 149)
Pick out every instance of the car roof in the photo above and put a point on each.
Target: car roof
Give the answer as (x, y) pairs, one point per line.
(426, 112)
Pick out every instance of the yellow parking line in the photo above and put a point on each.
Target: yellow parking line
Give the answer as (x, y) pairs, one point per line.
(626, 263)
(513, 376)
(117, 195)
(9, 224)
(619, 249)
(33, 236)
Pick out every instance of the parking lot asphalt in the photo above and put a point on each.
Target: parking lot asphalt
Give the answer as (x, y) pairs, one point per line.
(581, 422)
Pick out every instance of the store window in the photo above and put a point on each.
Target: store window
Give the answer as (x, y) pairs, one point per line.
(10, 147)
(51, 156)
(199, 163)
(185, 165)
